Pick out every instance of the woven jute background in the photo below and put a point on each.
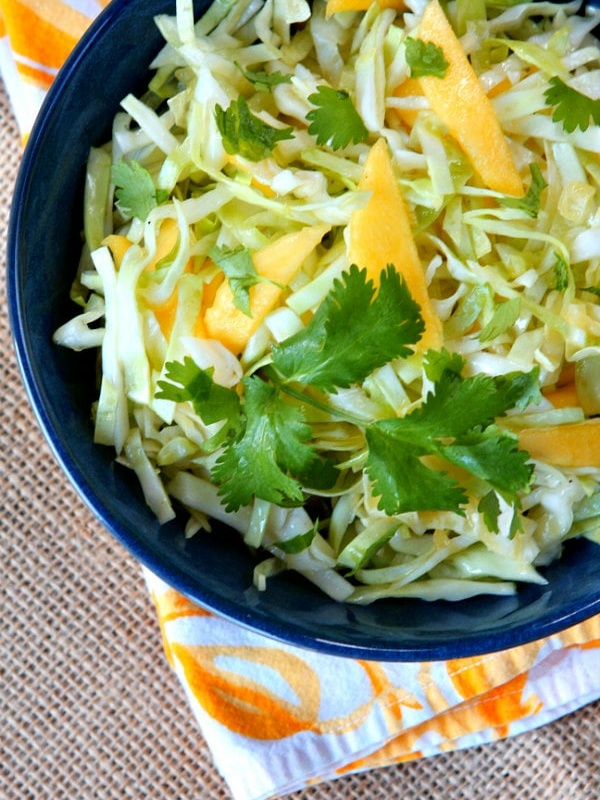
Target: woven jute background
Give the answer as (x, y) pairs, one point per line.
(88, 705)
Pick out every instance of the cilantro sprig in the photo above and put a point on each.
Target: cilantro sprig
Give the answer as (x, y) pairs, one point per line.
(530, 204)
(354, 331)
(135, 192)
(335, 121)
(241, 274)
(267, 447)
(263, 81)
(425, 58)
(455, 423)
(572, 108)
(245, 134)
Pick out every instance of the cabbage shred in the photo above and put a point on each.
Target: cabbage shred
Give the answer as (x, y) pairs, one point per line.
(255, 126)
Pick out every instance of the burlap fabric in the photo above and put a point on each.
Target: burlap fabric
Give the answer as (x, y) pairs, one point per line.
(88, 705)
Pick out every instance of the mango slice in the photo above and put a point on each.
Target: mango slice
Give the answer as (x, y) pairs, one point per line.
(459, 101)
(380, 234)
(278, 261)
(576, 444)
(334, 6)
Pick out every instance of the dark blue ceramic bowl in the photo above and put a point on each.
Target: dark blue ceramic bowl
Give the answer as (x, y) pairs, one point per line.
(215, 570)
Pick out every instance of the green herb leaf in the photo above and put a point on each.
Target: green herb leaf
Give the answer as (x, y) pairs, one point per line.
(489, 508)
(561, 273)
(454, 423)
(592, 289)
(212, 402)
(299, 542)
(403, 482)
(261, 80)
(240, 271)
(425, 58)
(353, 332)
(572, 108)
(504, 317)
(246, 134)
(135, 192)
(271, 450)
(530, 204)
(335, 121)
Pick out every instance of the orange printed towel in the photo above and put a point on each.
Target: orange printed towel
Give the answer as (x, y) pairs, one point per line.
(278, 718)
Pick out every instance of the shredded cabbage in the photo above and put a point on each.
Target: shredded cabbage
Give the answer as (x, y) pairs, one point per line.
(478, 253)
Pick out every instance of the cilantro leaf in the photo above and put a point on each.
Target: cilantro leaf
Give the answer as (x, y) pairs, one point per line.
(425, 58)
(298, 543)
(530, 204)
(263, 81)
(271, 450)
(335, 121)
(561, 273)
(246, 134)
(489, 507)
(454, 423)
(436, 362)
(504, 317)
(240, 271)
(135, 190)
(353, 332)
(572, 108)
(403, 482)
(495, 459)
(212, 402)
(592, 289)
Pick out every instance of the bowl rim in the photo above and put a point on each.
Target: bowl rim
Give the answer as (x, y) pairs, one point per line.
(291, 633)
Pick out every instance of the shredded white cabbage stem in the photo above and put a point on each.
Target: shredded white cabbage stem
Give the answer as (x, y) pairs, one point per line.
(475, 251)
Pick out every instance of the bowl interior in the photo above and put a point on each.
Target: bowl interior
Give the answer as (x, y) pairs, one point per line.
(214, 569)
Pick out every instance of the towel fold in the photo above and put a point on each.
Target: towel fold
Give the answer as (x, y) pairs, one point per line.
(278, 718)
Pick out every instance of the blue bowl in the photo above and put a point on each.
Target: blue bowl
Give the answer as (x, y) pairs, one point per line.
(214, 570)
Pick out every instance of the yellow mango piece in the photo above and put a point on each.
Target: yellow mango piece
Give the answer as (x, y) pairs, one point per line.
(408, 88)
(576, 444)
(563, 396)
(118, 246)
(380, 234)
(459, 101)
(165, 241)
(334, 6)
(278, 261)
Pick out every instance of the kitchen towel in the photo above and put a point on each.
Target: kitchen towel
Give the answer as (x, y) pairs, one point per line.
(279, 718)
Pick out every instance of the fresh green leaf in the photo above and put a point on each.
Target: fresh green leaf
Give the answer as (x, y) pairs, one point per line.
(454, 423)
(425, 58)
(504, 317)
(402, 481)
(572, 108)
(561, 273)
(436, 362)
(353, 332)
(489, 508)
(246, 134)
(240, 271)
(271, 450)
(592, 289)
(530, 204)
(135, 192)
(299, 542)
(493, 458)
(335, 121)
(263, 81)
(188, 382)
